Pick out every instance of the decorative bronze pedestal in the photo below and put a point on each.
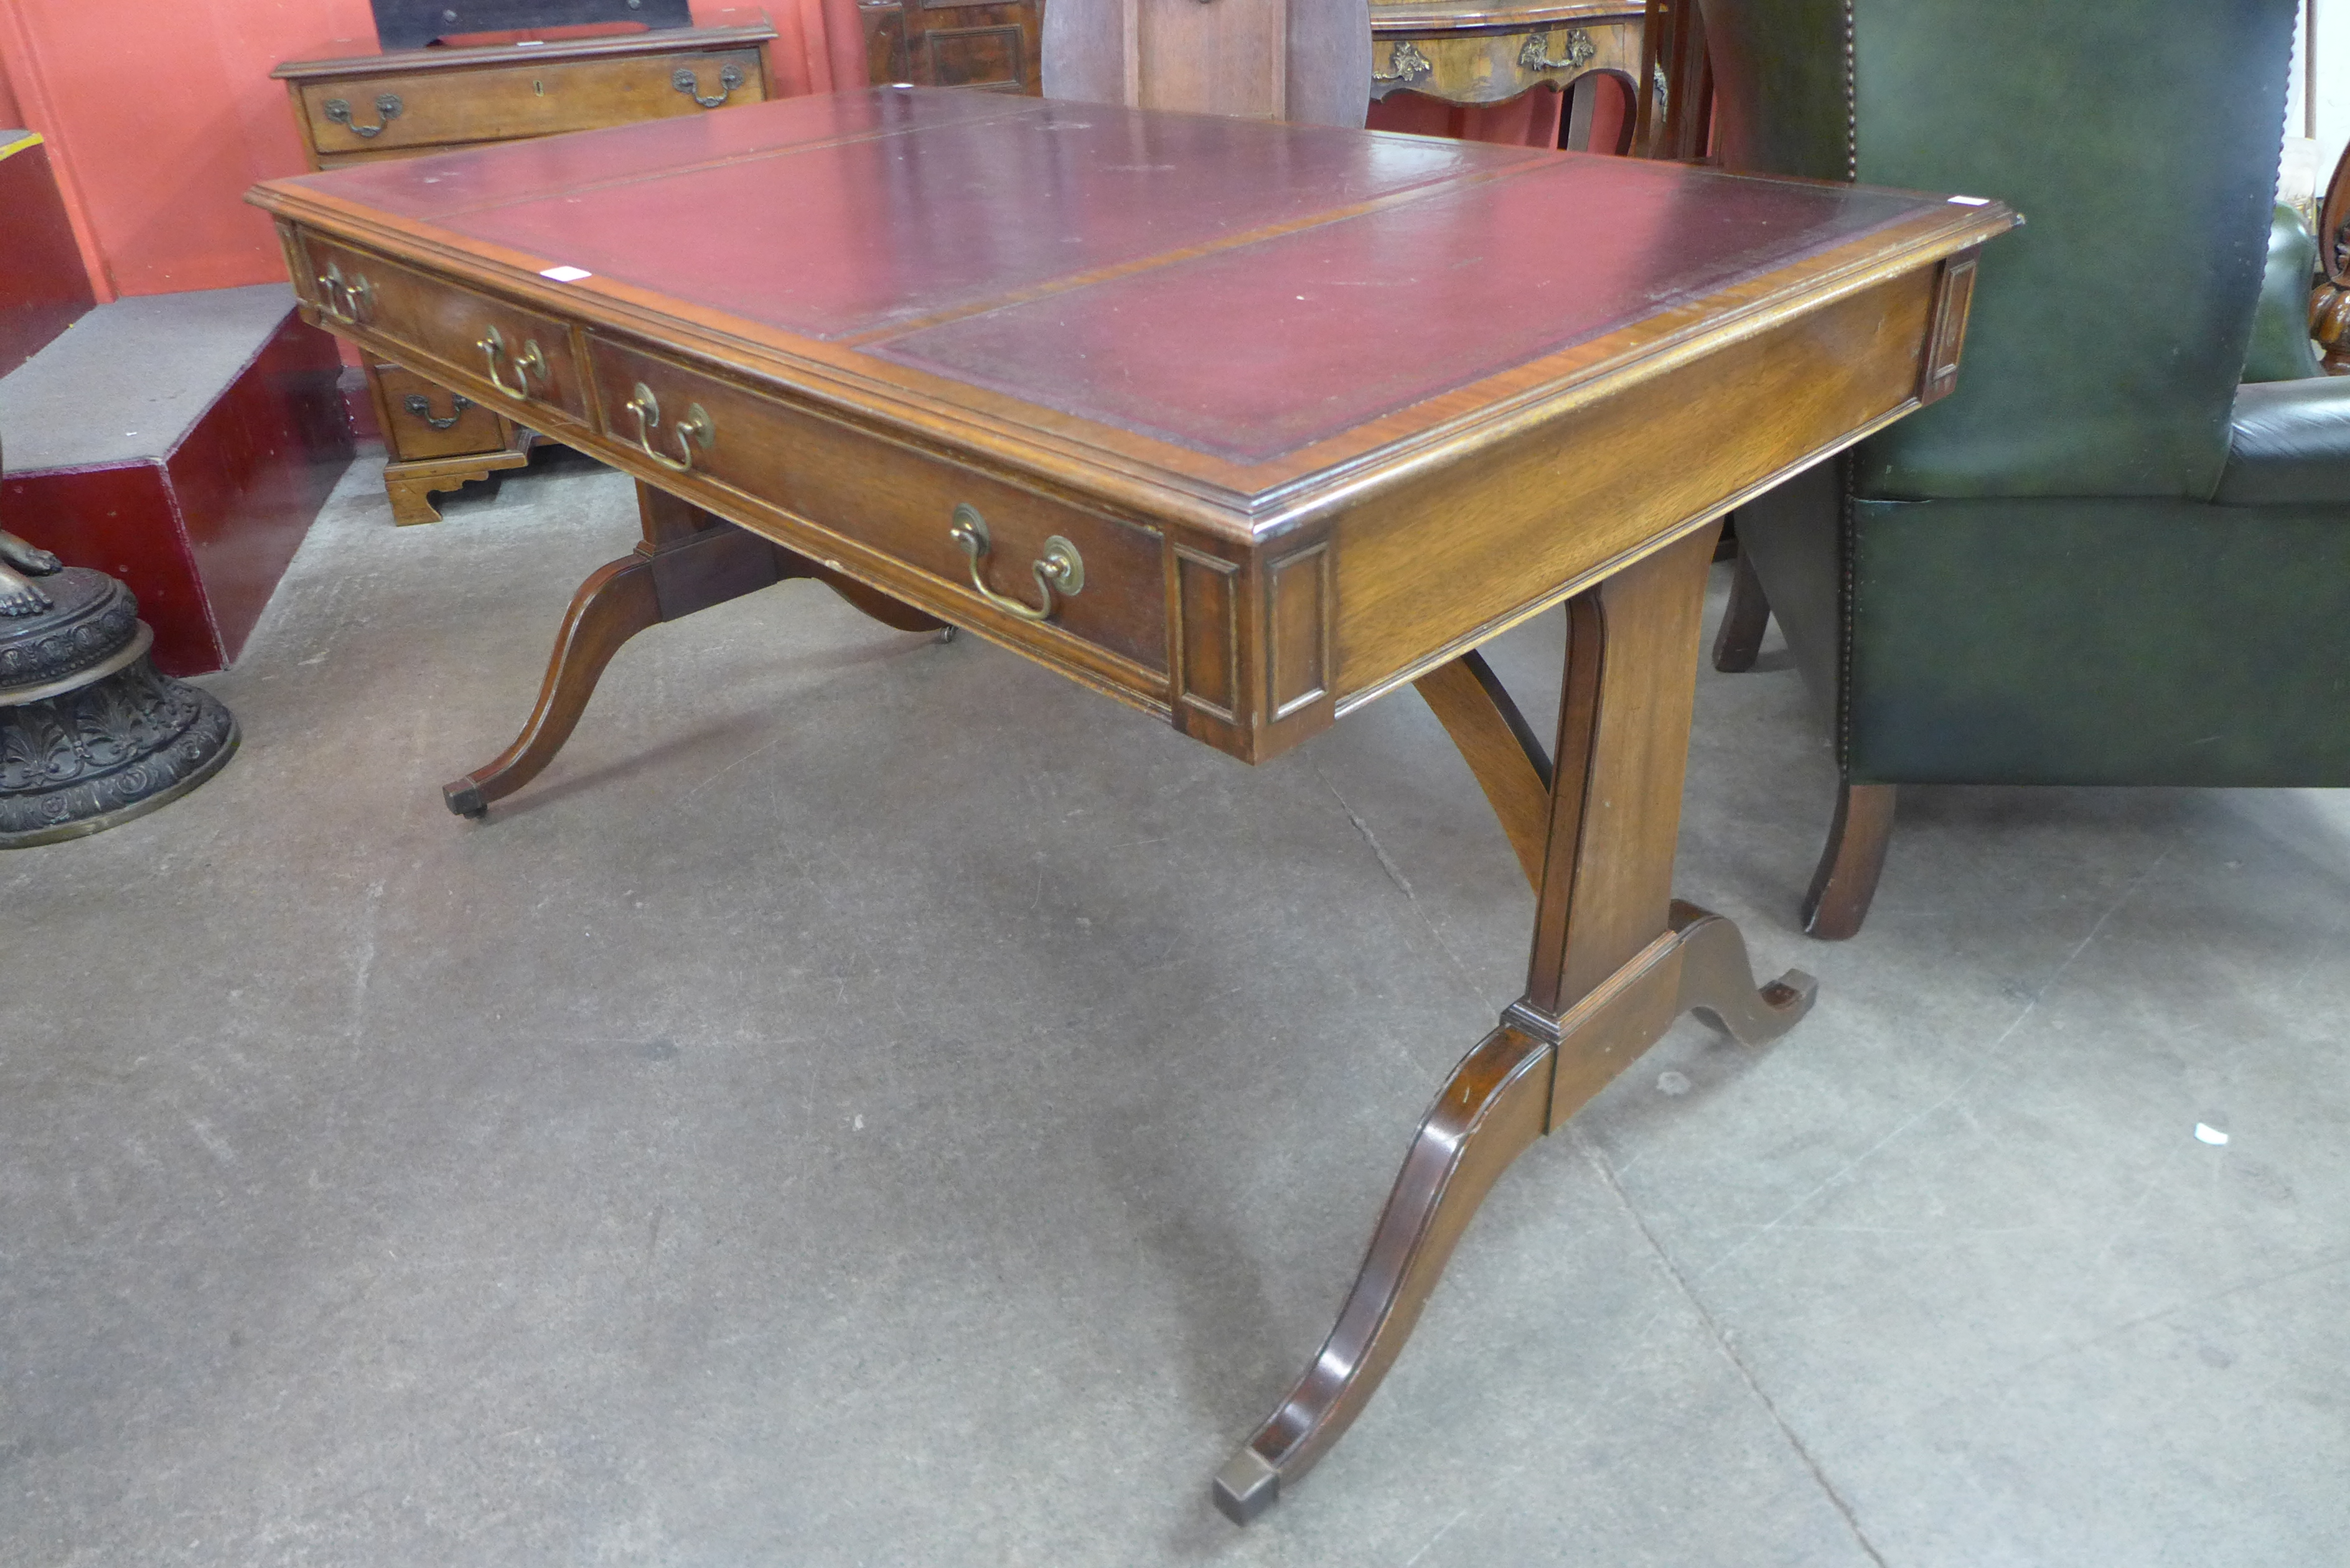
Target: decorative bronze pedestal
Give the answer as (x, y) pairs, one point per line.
(91, 734)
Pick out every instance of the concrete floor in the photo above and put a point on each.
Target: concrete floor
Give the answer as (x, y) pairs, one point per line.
(874, 1102)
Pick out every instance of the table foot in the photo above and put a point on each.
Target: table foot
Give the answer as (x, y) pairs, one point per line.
(618, 602)
(688, 560)
(1492, 1108)
(1718, 980)
(1246, 1486)
(1523, 1079)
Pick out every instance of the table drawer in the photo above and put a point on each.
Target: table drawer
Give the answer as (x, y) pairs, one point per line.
(901, 502)
(519, 359)
(381, 111)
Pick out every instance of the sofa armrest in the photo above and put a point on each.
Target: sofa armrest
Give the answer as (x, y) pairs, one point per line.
(2281, 350)
(2288, 443)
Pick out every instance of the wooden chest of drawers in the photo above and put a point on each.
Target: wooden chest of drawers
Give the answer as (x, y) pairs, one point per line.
(417, 101)
(988, 44)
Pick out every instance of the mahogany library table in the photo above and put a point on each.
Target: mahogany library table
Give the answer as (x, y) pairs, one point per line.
(1110, 388)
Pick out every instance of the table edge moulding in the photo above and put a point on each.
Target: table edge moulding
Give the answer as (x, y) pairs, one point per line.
(964, 456)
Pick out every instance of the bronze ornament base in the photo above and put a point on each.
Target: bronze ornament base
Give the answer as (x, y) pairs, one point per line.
(97, 737)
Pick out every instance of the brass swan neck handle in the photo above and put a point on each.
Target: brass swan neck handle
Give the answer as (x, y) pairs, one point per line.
(1060, 568)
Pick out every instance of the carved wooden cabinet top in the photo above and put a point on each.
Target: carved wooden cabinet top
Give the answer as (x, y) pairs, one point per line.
(1242, 312)
(414, 23)
(396, 104)
(1387, 14)
(476, 58)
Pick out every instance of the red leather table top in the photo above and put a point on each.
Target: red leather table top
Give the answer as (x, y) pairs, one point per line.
(1232, 288)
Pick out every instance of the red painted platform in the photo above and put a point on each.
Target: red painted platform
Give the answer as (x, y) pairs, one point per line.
(182, 443)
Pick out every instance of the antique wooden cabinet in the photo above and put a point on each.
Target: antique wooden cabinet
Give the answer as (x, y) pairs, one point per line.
(954, 43)
(1476, 53)
(416, 101)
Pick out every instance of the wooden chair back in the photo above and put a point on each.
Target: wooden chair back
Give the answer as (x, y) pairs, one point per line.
(2329, 307)
(1303, 60)
(1676, 117)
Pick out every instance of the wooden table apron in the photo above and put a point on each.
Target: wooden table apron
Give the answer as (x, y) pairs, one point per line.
(1115, 390)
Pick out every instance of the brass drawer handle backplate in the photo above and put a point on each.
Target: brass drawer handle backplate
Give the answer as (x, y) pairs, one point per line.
(1060, 567)
(350, 301)
(387, 109)
(695, 430)
(729, 78)
(419, 405)
(1534, 55)
(530, 363)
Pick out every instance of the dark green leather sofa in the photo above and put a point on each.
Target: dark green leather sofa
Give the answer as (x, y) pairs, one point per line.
(2104, 559)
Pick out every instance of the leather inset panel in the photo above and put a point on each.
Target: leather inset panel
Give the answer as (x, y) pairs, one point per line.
(837, 238)
(1236, 355)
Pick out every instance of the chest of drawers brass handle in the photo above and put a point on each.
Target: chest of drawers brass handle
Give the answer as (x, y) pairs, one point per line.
(695, 430)
(729, 78)
(419, 405)
(387, 109)
(528, 364)
(1060, 567)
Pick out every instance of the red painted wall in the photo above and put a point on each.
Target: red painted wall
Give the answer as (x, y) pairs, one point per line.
(160, 113)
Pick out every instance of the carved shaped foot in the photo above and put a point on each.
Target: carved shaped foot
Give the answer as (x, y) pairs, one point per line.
(1718, 980)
